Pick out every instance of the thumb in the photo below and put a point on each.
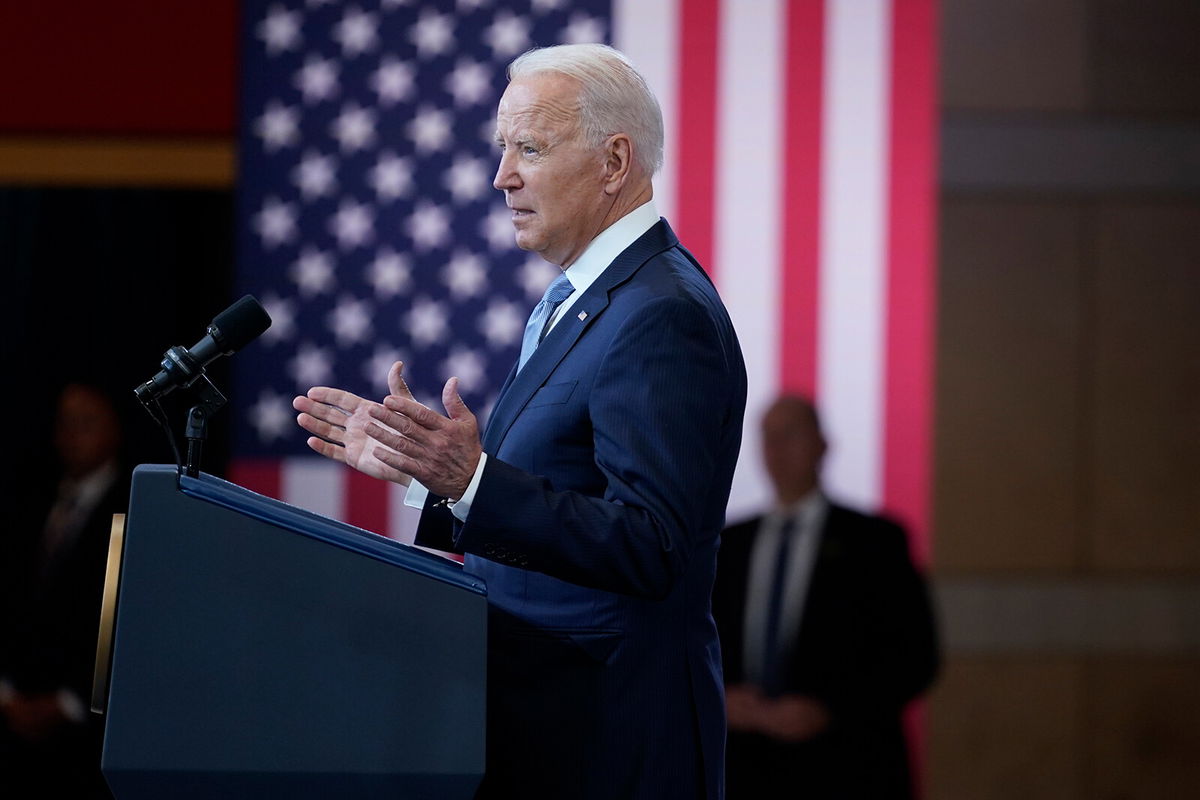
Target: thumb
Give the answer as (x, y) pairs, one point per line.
(395, 379)
(452, 400)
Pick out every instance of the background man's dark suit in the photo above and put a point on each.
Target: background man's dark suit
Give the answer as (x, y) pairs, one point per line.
(864, 649)
(610, 457)
(51, 610)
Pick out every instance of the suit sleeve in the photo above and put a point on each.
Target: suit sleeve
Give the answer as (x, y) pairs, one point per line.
(663, 400)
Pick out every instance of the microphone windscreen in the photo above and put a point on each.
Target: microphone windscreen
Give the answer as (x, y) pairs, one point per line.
(241, 323)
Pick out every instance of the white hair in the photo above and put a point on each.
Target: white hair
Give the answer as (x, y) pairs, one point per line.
(613, 98)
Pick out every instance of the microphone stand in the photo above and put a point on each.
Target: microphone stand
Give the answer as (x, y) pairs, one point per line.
(210, 401)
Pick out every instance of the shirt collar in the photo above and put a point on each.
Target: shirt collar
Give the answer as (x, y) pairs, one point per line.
(611, 242)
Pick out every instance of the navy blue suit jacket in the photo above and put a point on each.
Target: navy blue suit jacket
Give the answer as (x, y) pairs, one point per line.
(596, 525)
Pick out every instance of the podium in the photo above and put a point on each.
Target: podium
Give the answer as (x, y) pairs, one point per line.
(259, 650)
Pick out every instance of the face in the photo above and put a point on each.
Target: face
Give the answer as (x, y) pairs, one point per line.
(552, 180)
(792, 449)
(86, 432)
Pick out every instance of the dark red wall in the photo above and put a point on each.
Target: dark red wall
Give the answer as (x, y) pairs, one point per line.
(123, 67)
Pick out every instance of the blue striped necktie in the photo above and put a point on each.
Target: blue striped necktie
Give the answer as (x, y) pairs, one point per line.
(535, 329)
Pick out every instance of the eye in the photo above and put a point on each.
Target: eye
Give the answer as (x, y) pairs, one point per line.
(529, 150)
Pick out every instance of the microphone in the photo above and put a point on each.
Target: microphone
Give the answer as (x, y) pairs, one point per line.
(230, 331)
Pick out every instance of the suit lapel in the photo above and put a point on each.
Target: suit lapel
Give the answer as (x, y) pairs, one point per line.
(521, 386)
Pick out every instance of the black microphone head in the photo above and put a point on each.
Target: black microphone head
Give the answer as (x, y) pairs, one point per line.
(240, 324)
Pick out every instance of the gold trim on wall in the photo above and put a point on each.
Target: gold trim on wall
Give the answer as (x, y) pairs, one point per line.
(43, 161)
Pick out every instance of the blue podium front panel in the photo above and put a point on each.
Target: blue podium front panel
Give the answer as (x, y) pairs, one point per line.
(261, 650)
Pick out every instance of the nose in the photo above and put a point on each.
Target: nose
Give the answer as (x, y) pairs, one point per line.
(506, 172)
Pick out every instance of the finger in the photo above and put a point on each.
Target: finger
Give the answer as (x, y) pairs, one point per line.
(332, 414)
(320, 427)
(401, 463)
(391, 440)
(396, 383)
(339, 398)
(424, 417)
(455, 406)
(327, 449)
(400, 423)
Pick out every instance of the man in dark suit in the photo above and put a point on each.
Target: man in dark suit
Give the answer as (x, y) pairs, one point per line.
(593, 504)
(826, 632)
(53, 554)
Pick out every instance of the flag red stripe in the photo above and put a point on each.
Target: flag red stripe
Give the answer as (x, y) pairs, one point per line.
(800, 242)
(366, 502)
(257, 475)
(908, 382)
(697, 126)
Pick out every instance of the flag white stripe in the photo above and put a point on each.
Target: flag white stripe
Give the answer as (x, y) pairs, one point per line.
(649, 34)
(853, 244)
(748, 211)
(314, 484)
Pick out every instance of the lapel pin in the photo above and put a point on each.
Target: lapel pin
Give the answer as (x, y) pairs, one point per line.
(582, 316)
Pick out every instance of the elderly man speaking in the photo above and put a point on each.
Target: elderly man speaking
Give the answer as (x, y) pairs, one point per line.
(593, 503)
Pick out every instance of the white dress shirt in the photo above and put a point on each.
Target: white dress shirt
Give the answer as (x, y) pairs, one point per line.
(809, 514)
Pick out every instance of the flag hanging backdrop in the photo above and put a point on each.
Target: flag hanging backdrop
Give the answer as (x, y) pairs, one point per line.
(799, 170)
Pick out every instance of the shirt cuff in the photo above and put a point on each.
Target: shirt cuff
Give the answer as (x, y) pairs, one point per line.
(462, 507)
(416, 494)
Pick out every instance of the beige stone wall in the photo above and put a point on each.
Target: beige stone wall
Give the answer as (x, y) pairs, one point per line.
(1067, 454)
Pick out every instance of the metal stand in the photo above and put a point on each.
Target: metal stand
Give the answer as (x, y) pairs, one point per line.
(211, 400)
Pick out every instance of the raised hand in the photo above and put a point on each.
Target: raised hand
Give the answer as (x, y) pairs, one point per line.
(441, 452)
(338, 420)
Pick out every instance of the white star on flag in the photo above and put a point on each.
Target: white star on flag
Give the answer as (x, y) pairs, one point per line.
(354, 128)
(280, 30)
(313, 272)
(433, 34)
(535, 275)
(466, 365)
(467, 179)
(390, 273)
(353, 225)
(279, 126)
(502, 324)
(375, 369)
(429, 226)
(470, 82)
(465, 275)
(350, 320)
(271, 416)
(508, 35)
(356, 32)
(391, 177)
(430, 130)
(312, 366)
(426, 321)
(315, 175)
(583, 29)
(498, 229)
(393, 81)
(282, 312)
(317, 80)
(275, 222)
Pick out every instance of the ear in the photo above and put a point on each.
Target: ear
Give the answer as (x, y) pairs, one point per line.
(618, 162)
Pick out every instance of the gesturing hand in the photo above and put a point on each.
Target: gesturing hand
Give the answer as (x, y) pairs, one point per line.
(338, 420)
(441, 452)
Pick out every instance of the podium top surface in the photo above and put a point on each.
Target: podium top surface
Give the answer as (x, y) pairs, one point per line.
(211, 489)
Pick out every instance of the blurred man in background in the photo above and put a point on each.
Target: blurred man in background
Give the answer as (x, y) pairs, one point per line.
(54, 544)
(826, 632)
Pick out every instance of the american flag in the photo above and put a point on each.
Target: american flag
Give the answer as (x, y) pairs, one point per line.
(799, 169)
